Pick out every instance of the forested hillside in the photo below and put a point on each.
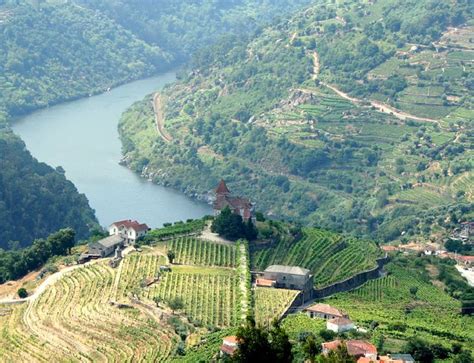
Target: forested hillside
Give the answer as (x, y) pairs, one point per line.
(51, 53)
(35, 199)
(348, 116)
(182, 27)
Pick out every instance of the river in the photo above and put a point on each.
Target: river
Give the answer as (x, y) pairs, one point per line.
(82, 137)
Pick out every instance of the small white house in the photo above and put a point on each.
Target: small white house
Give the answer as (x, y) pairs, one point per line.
(129, 230)
(340, 325)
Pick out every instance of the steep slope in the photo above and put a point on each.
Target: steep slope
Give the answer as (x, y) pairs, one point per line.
(300, 119)
(56, 52)
(35, 199)
(183, 27)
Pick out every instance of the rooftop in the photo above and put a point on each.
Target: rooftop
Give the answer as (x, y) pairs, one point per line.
(222, 188)
(291, 270)
(110, 241)
(325, 309)
(360, 347)
(265, 282)
(128, 223)
(340, 321)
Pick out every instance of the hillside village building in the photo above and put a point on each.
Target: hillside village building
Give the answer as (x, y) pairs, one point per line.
(290, 277)
(355, 348)
(340, 325)
(229, 346)
(324, 311)
(238, 205)
(129, 230)
(105, 247)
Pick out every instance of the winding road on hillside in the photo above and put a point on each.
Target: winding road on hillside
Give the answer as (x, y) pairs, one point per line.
(379, 106)
(159, 118)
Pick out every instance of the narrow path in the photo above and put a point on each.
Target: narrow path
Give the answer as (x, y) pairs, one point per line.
(49, 281)
(379, 106)
(467, 274)
(243, 281)
(208, 235)
(159, 118)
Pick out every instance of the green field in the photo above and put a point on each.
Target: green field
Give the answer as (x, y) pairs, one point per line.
(331, 257)
(430, 314)
(271, 303)
(192, 251)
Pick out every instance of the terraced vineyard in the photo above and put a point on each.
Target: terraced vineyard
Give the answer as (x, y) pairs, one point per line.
(430, 314)
(192, 251)
(210, 296)
(135, 270)
(271, 303)
(73, 320)
(331, 257)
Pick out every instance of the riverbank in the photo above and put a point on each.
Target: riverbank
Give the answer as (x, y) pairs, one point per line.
(85, 143)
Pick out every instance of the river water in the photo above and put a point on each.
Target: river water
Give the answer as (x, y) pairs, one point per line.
(82, 137)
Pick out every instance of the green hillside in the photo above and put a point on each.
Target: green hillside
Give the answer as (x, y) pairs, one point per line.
(392, 157)
(35, 199)
(56, 52)
(331, 257)
(429, 313)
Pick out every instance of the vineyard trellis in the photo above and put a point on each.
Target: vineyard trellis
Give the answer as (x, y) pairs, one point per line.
(271, 303)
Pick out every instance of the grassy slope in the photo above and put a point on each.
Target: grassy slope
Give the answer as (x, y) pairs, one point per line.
(432, 314)
(417, 164)
(331, 257)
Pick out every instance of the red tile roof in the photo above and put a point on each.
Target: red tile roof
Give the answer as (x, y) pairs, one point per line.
(465, 258)
(231, 339)
(354, 347)
(222, 188)
(128, 223)
(325, 309)
(265, 282)
(360, 347)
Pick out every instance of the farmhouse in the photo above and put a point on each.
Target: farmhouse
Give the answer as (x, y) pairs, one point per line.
(389, 358)
(289, 277)
(340, 325)
(129, 230)
(324, 311)
(238, 205)
(105, 247)
(229, 345)
(355, 348)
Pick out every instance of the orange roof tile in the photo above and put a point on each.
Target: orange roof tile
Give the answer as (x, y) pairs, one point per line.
(325, 309)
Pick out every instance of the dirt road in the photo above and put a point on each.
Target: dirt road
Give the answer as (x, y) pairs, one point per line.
(379, 106)
(159, 118)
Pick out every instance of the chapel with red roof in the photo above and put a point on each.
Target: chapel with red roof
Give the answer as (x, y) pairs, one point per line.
(238, 205)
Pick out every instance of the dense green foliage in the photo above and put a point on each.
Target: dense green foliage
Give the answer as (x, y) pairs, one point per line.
(330, 256)
(35, 199)
(262, 114)
(55, 52)
(412, 300)
(15, 264)
(183, 27)
(231, 226)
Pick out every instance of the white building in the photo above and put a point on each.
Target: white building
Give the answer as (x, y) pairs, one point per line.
(129, 230)
(340, 325)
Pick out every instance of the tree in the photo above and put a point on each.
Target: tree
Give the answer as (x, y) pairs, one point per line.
(260, 345)
(464, 357)
(22, 293)
(229, 225)
(419, 349)
(171, 255)
(157, 300)
(176, 303)
(311, 348)
(340, 355)
(413, 291)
